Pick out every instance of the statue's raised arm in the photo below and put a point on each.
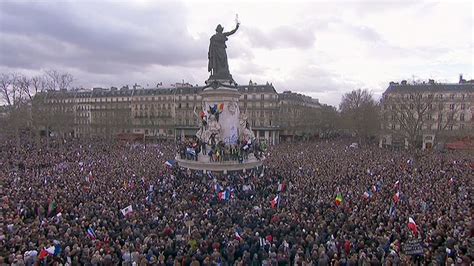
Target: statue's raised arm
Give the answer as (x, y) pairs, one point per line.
(232, 31)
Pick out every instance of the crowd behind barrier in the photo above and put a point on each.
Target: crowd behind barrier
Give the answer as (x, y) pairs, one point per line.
(314, 203)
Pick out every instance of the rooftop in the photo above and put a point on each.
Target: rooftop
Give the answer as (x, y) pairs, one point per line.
(431, 86)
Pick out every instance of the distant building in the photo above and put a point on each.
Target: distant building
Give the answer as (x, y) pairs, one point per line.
(426, 113)
(172, 112)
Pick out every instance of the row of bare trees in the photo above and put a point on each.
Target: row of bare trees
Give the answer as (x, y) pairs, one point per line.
(407, 115)
(22, 111)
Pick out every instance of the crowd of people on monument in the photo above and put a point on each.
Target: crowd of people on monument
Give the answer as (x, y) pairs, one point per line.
(90, 202)
(191, 148)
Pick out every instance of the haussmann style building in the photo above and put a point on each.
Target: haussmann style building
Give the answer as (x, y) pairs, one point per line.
(169, 113)
(427, 113)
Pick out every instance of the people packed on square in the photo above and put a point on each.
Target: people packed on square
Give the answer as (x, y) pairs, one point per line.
(90, 202)
(192, 148)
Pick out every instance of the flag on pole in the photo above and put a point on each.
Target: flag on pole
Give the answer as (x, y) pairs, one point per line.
(91, 233)
(275, 201)
(396, 197)
(127, 210)
(339, 199)
(412, 226)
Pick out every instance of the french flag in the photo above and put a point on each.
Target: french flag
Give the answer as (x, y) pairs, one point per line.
(275, 201)
(396, 197)
(367, 195)
(412, 226)
(237, 236)
(91, 234)
(281, 187)
(224, 195)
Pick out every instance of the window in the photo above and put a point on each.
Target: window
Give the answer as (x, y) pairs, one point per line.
(430, 106)
(440, 107)
(451, 106)
(462, 126)
(440, 117)
(393, 126)
(461, 117)
(411, 97)
(463, 106)
(411, 106)
(262, 97)
(451, 96)
(450, 127)
(463, 96)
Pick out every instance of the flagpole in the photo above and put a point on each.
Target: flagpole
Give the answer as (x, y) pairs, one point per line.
(278, 201)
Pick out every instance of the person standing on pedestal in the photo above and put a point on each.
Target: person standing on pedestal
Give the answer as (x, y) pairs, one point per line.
(218, 65)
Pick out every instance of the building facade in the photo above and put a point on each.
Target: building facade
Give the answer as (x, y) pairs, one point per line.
(173, 112)
(424, 114)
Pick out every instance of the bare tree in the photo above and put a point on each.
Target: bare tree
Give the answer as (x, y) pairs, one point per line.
(57, 80)
(360, 113)
(11, 91)
(6, 82)
(407, 114)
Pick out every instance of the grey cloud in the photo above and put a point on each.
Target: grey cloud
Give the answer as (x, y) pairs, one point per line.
(326, 85)
(365, 33)
(79, 34)
(282, 37)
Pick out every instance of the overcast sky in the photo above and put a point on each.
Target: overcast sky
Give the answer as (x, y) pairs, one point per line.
(319, 48)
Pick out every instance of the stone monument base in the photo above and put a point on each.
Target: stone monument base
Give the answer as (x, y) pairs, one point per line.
(204, 164)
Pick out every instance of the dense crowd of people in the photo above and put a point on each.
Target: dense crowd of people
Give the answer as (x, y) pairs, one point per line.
(192, 148)
(314, 203)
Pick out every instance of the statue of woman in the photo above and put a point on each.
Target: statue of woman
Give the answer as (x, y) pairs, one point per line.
(218, 65)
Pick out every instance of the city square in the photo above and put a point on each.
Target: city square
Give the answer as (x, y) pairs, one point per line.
(218, 170)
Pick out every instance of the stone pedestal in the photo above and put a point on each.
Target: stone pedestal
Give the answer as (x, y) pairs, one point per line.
(222, 121)
(229, 115)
